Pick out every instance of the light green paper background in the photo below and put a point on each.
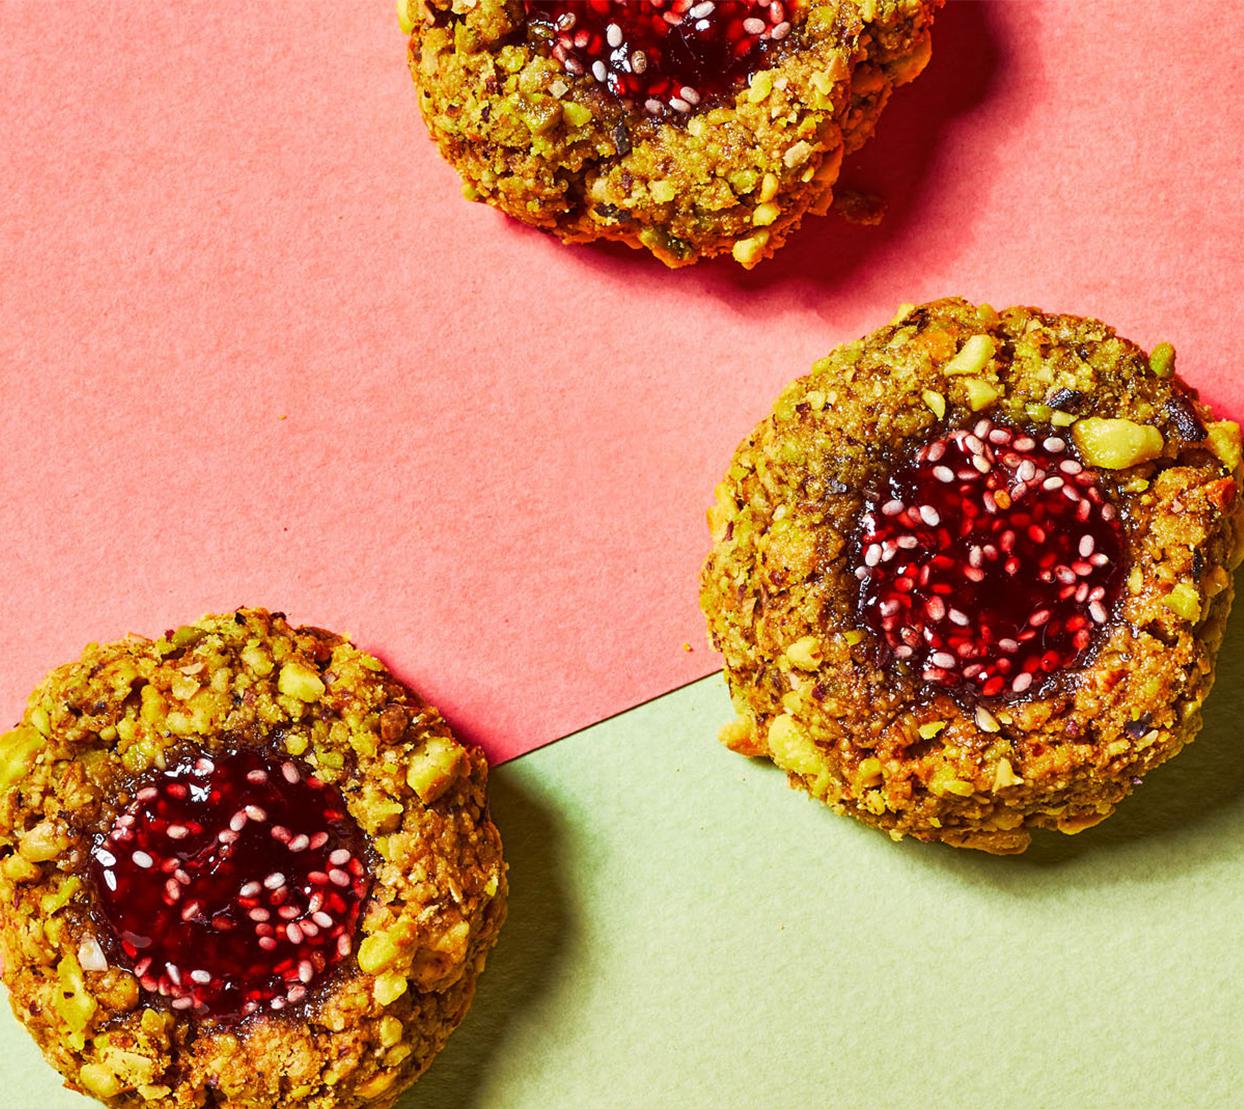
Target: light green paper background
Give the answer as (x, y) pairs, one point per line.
(687, 931)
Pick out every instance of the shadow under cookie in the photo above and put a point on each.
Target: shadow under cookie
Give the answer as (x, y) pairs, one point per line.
(527, 960)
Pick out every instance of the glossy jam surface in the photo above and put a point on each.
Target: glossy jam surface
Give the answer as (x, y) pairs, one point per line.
(230, 884)
(664, 56)
(991, 562)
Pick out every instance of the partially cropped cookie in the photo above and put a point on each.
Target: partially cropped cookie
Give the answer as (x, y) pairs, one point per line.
(242, 865)
(970, 576)
(685, 128)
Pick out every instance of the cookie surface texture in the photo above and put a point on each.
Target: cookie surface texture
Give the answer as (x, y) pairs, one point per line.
(970, 576)
(242, 864)
(683, 128)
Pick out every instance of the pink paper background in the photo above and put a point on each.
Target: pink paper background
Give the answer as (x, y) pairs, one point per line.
(496, 451)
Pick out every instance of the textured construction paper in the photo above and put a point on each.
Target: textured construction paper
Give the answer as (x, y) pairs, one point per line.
(685, 931)
(254, 348)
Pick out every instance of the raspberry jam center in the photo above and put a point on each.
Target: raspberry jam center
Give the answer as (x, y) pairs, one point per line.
(992, 561)
(230, 884)
(666, 55)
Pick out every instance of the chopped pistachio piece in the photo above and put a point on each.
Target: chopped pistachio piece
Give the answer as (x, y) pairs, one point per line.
(42, 843)
(748, 251)
(1162, 360)
(1004, 776)
(986, 721)
(935, 401)
(99, 1080)
(1224, 441)
(869, 773)
(389, 987)
(765, 214)
(376, 953)
(805, 653)
(981, 393)
(973, 356)
(16, 750)
(791, 748)
(74, 1004)
(663, 191)
(52, 903)
(576, 114)
(434, 767)
(300, 681)
(1184, 600)
(1116, 444)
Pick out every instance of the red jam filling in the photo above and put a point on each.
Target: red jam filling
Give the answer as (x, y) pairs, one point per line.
(230, 883)
(992, 561)
(667, 56)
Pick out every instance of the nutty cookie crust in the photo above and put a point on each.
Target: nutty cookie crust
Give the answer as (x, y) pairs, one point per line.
(109, 742)
(920, 718)
(546, 141)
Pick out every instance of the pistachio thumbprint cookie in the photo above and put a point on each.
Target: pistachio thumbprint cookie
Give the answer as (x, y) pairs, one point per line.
(241, 865)
(682, 127)
(970, 576)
